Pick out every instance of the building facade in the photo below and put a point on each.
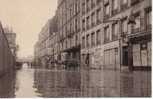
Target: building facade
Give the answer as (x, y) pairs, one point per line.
(7, 58)
(11, 37)
(109, 41)
(46, 46)
(91, 32)
(110, 34)
(69, 29)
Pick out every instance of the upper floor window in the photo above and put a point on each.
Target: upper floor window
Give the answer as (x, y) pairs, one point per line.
(98, 37)
(107, 34)
(107, 10)
(98, 1)
(76, 24)
(115, 31)
(92, 3)
(148, 18)
(83, 25)
(93, 39)
(124, 4)
(88, 21)
(83, 42)
(137, 20)
(83, 8)
(98, 16)
(124, 26)
(115, 4)
(87, 41)
(93, 19)
(88, 5)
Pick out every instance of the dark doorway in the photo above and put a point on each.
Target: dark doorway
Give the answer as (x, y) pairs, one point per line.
(125, 56)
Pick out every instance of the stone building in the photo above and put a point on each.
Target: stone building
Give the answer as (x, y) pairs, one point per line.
(45, 45)
(109, 40)
(91, 32)
(111, 34)
(68, 13)
(7, 58)
(11, 37)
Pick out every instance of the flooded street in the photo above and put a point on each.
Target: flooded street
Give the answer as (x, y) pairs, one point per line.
(86, 83)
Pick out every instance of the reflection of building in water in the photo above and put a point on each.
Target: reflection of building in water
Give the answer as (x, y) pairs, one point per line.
(57, 84)
(7, 86)
(110, 83)
(136, 84)
(92, 83)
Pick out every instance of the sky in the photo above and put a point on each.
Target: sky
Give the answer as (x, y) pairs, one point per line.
(26, 18)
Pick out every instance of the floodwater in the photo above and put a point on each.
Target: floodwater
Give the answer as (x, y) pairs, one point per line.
(74, 83)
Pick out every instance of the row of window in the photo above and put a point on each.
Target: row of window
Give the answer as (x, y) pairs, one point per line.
(88, 5)
(67, 11)
(70, 42)
(71, 28)
(91, 20)
(91, 40)
(112, 32)
(113, 8)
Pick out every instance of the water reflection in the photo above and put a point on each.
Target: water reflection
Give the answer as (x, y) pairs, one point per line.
(84, 83)
(58, 83)
(7, 85)
(93, 83)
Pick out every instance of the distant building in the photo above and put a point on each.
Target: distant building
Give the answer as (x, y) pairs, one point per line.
(46, 46)
(11, 37)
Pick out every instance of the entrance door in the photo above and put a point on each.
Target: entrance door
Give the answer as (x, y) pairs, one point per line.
(125, 56)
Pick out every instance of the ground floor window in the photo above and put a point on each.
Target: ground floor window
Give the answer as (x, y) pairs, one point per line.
(142, 54)
(111, 58)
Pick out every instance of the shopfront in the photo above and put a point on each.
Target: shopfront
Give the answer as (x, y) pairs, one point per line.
(141, 51)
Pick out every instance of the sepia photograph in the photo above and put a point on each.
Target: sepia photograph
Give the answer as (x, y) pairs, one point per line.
(75, 48)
